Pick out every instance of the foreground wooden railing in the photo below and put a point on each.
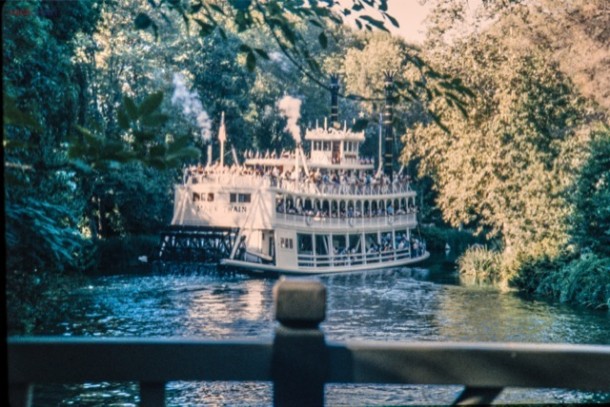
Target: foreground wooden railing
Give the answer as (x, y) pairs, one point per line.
(300, 362)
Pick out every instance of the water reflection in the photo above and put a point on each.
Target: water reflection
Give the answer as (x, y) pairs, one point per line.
(224, 309)
(486, 315)
(386, 305)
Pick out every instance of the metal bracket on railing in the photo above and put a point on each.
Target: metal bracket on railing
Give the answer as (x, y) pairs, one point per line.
(300, 362)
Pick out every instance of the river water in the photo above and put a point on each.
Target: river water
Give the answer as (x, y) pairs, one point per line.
(406, 304)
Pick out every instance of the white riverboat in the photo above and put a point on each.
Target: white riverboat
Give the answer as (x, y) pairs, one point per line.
(325, 211)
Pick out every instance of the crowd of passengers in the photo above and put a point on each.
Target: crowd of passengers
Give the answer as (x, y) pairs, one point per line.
(340, 180)
(349, 213)
(416, 246)
(290, 155)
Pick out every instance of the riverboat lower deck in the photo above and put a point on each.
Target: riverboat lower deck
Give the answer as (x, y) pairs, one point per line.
(329, 265)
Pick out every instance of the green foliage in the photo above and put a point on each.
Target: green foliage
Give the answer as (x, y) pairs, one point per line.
(528, 165)
(417, 84)
(530, 267)
(280, 20)
(41, 236)
(481, 266)
(590, 220)
(300, 30)
(12, 115)
(133, 200)
(141, 141)
(500, 170)
(39, 99)
(437, 237)
(584, 281)
(506, 169)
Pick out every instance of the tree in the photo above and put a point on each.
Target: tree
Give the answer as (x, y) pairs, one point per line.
(501, 168)
(590, 219)
(515, 167)
(278, 19)
(40, 102)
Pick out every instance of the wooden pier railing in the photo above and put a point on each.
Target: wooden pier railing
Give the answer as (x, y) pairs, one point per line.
(299, 361)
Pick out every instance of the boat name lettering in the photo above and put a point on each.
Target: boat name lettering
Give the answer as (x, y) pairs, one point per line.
(239, 209)
(202, 207)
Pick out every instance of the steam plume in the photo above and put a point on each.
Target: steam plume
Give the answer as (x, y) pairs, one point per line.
(192, 107)
(291, 109)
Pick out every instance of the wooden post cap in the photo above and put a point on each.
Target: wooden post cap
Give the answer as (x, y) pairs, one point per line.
(300, 302)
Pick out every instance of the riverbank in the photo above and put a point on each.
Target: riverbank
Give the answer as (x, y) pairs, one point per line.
(582, 281)
(579, 280)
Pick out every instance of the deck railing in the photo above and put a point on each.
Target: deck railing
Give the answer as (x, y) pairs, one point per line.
(299, 361)
(344, 188)
(240, 179)
(404, 220)
(356, 259)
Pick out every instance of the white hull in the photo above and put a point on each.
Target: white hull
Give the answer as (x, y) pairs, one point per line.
(272, 269)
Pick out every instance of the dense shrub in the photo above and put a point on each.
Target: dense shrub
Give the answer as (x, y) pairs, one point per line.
(482, 266)
(584, 281)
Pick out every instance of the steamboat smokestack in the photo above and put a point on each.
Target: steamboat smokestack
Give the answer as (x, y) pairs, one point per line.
(388, 157)
(334, 104)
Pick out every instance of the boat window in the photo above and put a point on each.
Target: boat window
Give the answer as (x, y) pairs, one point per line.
(326, 146)
(333, 209)
(322, 244)
(325, 208)
(280, 204)
(243, 198)
(354, 244)
(308, 206)
(196, 197)
(304, 244)
(210, 197)
(286, 243)
(372, 243)
(339, 246)
(401, 240)
(386, 241)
